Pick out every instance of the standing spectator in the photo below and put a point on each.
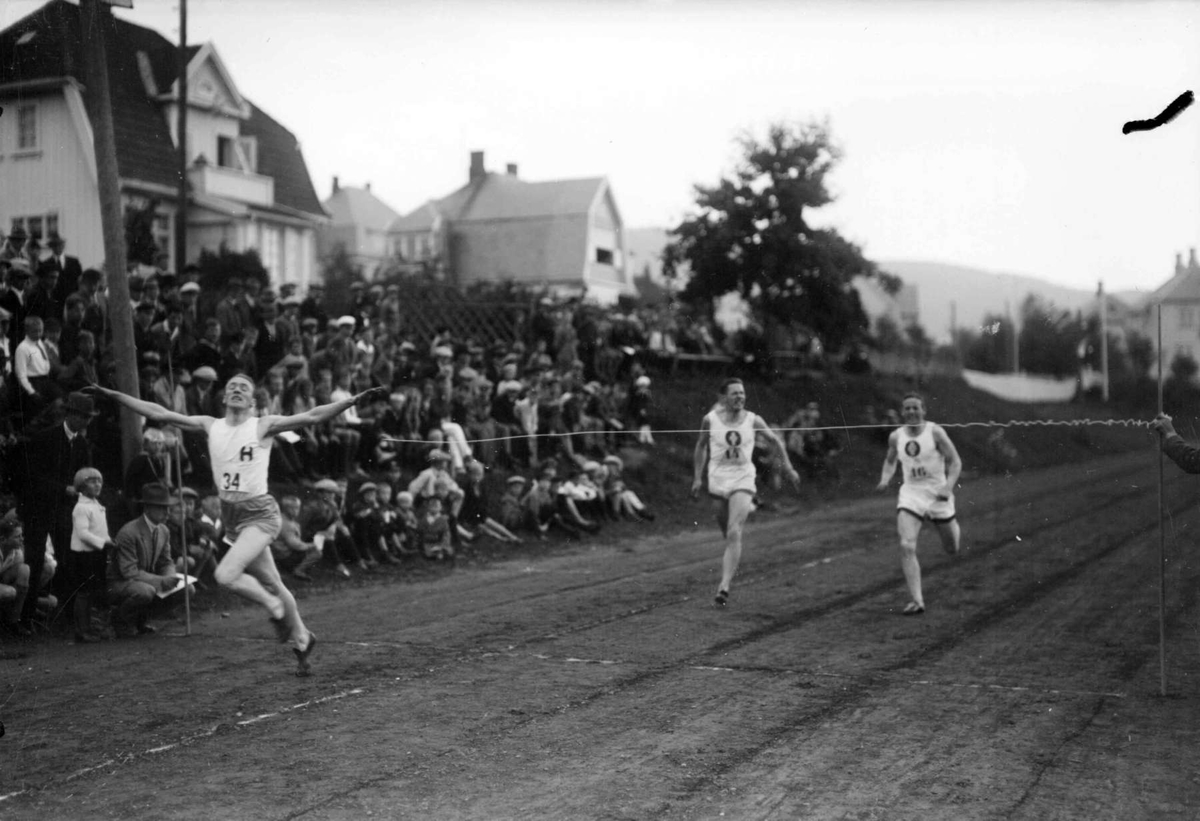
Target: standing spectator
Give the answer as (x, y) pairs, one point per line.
(16, 300)
(89, 541)
(32, 367)
(141, 565)
(51, 460)
(68, 267)
(148, 467)
(229, 310)
(80, 371)
(42, 301)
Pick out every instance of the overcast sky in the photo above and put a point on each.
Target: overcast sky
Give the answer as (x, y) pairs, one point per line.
(979, 133)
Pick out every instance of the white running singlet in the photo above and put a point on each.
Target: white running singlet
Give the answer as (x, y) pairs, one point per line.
(730, 447)
(239, 459)
(920, 460)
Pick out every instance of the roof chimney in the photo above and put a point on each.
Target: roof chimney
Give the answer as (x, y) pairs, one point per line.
(512, 169)
(336, 187)
(368, 188)
(1192, 264)
(476, 166)
(1178, 264)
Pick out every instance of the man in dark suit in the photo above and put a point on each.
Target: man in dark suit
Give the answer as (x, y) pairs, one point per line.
(48, 465)
(69, 269)
(141, 565)
(16, 301)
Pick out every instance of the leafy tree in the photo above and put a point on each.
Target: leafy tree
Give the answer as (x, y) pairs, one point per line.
(991, 350)
(1049, 339)
(887, 334)
(750, 235)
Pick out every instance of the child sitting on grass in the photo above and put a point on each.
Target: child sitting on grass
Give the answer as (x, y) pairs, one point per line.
(433, 528)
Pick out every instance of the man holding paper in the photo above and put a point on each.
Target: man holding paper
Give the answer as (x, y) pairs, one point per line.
(141, 566)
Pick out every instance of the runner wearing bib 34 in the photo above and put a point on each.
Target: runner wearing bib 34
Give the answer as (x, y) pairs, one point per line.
(239, 447)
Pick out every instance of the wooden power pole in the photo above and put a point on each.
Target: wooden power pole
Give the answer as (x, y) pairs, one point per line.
(97, 21)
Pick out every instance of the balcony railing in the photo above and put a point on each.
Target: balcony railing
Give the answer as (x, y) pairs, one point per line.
(232, 184)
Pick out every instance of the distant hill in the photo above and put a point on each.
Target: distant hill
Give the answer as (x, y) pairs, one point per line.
(975, 293)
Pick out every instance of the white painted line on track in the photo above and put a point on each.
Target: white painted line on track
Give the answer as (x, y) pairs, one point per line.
(129, 757)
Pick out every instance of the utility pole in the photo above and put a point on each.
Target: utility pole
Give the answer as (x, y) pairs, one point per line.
(96, 18)
(181, 144)
(1103, 341)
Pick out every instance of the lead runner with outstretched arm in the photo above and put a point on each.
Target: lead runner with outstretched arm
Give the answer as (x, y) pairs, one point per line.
(239, 447)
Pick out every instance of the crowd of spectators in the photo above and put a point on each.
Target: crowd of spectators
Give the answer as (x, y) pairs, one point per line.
(503, 439)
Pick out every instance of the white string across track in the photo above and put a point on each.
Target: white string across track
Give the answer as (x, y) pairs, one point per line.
(1014, 423)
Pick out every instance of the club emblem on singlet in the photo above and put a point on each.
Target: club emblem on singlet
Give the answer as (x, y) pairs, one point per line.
(246, 454)
(733, 442)
(912, 448)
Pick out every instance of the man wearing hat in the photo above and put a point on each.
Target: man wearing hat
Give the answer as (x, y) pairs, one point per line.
(68, 267)
(141, 566)
(239, 449)
(47, 468)
(313, 306)
(16, 300)
(229, 309)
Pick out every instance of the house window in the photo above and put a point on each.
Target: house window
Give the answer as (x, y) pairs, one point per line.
(227, 153)
(271, 249)
(1187, 317)
(604, 256)
(37, 225)
(26, 127)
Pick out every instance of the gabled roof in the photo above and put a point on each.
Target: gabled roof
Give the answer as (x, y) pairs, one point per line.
(503, 196)
(422, 218)
(358, 206)
(145, 150)
(1183, 287)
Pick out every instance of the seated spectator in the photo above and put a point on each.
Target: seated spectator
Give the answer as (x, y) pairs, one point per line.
(391, 526)
(141, 565)
(366, 526)
(199, 557)
(433, 531)
(425, 485)
(406, 513)
(208, 520)
(511, 514)
(14, 577)
(812, 447)
(623, 501)
(639, 410)
(89, 541)
(321, 523)
(476, 515)
(574, 498)
(289, 548)
(542, 507)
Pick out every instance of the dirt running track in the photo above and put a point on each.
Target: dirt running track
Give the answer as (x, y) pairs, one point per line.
(601, 683)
